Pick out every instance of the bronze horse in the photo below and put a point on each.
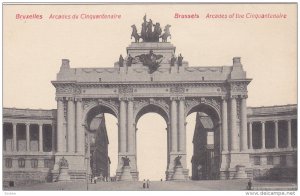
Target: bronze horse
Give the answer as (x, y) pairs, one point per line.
(166, 33)
(135, 34)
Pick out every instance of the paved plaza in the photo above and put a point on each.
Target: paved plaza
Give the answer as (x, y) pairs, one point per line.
(207, 185)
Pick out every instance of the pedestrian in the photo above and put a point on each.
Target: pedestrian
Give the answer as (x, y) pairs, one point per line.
(148, 183)
(161, 179)
(249, 187)
(144, 184)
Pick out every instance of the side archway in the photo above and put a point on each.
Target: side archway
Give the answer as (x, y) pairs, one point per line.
(206, 140)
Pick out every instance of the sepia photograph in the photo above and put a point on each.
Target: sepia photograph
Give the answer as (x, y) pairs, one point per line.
(149, 97)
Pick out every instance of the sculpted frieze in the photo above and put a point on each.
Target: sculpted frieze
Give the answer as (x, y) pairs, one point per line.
(238, 87)
(177, 89)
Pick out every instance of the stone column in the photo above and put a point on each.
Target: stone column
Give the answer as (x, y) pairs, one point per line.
(224, 125)
(27, 137)
(122, 126)
(276, 133)
(289, 135)
(71, 125)
(250, 136)
(173, 125)
(130, 128)
(243, 131)
(181, 126)
(234, 134)
(79, 127)
(61, 145)
(168, 143)
(53, 137)
(263, 135)
(15, 137)
(41, 138)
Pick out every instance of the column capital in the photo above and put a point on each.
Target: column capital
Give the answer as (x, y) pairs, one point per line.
(244, 96)
(181, 98)
(289, 120)
(40, 124)
(262, 122)
(234, 96)
(275, 121)
(123, 98)
(14, 123)
(130, 99)
(70, 98)
(27, 123)
(78, 99)
(174, 98)
(224, 98)
(59, 98)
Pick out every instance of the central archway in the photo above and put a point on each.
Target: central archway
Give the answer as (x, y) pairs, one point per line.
(152, 142)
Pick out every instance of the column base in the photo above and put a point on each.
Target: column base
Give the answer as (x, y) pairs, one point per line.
(240, 167)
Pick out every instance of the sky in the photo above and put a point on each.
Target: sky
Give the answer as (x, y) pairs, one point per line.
(33, 49)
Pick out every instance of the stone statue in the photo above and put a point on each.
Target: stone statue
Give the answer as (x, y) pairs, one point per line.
(63, 163)
(166, 34)
(126, 161)
(156, 33)
(150, 60)
(144, 29)
(121, 61)
(129, 60)
(177, 161)
(180, 58)
(173, 60)
(149, 30)
(147, 33)
(135, 34)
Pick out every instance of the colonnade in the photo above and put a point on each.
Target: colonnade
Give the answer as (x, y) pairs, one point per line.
(15, 133)
(276, 133)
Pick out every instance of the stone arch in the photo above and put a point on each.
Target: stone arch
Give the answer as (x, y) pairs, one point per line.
(146, 107)
(93, 108)
(208, 106)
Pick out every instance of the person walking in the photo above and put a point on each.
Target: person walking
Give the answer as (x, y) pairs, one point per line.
(144, 184)
(249, 187)
(148, 183)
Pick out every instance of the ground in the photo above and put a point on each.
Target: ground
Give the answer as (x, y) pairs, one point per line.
(207, 185)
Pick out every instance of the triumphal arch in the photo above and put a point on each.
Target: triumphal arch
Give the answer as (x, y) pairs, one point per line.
(153, 78)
